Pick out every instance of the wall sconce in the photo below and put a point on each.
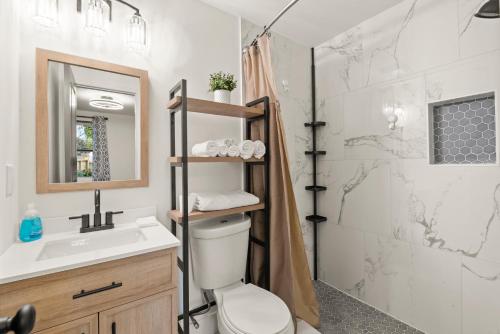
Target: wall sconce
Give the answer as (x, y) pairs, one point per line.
(46, 13)
(391, 112)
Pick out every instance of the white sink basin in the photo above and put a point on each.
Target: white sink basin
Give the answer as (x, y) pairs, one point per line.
(90, 242)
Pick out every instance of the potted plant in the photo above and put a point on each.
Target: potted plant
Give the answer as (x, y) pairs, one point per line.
(222, 84)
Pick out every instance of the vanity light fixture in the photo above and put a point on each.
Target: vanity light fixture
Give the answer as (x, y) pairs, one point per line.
(46, 13)
(97, 17)
(99, 12)
(106, 103)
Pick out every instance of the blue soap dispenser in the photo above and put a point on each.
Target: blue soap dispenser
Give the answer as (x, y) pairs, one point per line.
(31, 228)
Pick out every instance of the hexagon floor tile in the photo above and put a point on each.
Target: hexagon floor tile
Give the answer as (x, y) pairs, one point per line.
(342, 314)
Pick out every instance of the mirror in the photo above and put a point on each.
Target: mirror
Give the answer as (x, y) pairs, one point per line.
(91, 124)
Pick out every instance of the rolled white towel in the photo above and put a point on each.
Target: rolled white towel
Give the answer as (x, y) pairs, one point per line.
(233, 151)
(224, 142)
(260, 149)
(206, 149)
(223, 151)
(247, 148)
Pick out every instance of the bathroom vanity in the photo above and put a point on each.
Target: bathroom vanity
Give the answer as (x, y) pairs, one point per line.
(126, 284)
(100, 275)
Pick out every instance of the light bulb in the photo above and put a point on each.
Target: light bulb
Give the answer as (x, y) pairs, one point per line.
(136, 33)
(46, 13)
(97, 17)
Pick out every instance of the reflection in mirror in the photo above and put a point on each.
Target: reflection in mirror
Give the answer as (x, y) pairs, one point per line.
(93, 125)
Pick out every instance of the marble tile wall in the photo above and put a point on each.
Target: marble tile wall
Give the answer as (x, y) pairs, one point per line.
(291, 65)
(418, 241)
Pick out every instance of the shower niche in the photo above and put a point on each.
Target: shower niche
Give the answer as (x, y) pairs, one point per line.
(463, 131)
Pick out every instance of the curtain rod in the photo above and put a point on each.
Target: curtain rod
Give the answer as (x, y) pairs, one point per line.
(276, 18)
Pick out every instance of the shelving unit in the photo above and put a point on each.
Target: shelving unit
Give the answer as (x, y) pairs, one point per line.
(315, 218)
(180, 103)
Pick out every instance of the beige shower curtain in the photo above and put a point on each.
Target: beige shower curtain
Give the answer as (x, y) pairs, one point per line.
(290, 277)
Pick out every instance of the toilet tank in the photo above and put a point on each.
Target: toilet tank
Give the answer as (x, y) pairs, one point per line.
(219, 251)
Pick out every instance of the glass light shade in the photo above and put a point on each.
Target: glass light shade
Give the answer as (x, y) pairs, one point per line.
(136, 33)
(96, 21)
(46, 12)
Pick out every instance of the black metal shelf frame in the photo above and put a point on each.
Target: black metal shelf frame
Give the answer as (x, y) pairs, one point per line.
(181, 87)
(315, 218)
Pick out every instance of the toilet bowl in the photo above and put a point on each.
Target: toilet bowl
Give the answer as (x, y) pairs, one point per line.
(248, 309)
(219, 251)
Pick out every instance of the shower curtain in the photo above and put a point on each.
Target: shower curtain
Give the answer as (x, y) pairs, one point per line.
(100, 164)
(290, 276)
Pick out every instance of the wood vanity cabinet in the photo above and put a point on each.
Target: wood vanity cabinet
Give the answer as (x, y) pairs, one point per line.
(132, 295)
(143, 316)
(87, 325)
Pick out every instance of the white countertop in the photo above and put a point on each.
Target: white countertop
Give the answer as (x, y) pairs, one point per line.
(21, 260)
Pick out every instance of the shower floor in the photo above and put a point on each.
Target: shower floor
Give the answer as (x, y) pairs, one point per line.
(342, 314)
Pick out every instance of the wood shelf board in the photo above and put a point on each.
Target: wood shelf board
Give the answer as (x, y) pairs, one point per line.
(176, 215)
(178, 160)
(215, 108)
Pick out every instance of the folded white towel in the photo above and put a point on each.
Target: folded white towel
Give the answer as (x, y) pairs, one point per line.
(247, 148)
(260, 149)
(206, 149)
(223, 151)
(224, 200)
(233, 151)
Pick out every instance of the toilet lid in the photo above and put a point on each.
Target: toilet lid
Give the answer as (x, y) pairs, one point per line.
(252, 310)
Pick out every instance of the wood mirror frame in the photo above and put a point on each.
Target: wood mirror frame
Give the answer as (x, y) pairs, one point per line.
(42, 140)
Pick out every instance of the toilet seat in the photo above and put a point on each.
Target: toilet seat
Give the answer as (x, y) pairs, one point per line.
(249, 309)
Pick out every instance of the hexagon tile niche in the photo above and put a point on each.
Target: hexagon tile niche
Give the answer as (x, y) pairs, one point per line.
(463, 131)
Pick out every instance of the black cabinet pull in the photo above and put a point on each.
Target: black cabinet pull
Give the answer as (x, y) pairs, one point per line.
(84, 293)
(113, 328)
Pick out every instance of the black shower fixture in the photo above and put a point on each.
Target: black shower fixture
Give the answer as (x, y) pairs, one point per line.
(490, 10)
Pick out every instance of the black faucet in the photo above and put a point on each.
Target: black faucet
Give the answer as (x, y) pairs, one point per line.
(97, 217)
(97, 208)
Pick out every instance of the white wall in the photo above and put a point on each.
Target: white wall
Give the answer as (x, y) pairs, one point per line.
(420, 242)
(9, 117)
(188, 40)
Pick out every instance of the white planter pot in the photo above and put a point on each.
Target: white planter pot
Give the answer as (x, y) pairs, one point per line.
(222, 96)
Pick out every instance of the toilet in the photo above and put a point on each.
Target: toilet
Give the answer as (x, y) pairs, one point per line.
(219, 252)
